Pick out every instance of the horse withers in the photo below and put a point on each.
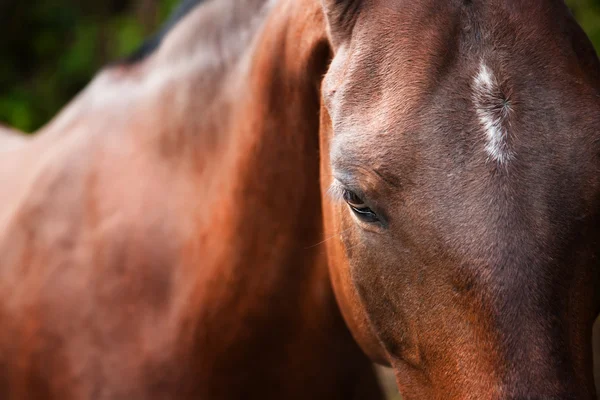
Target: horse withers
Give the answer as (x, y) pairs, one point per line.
(461, 144)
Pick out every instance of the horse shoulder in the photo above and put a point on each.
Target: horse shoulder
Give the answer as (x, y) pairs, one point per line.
(89, 249)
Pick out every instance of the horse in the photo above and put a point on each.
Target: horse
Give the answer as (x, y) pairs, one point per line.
(444, 154)
(154, 242)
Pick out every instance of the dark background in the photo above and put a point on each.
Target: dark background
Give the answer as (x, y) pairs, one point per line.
(50, 49)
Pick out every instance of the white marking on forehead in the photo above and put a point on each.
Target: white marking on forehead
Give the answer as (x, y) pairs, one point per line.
(489, 107)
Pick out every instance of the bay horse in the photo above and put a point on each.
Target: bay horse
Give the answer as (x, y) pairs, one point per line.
(164, 238)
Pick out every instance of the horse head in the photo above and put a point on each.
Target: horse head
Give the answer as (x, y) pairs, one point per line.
(460, 169)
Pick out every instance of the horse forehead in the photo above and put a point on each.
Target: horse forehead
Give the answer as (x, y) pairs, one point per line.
(418, 35)
(390, 67)
(384, 84)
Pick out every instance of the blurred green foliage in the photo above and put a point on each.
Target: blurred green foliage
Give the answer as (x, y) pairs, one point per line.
(52, 48)
(587, 13)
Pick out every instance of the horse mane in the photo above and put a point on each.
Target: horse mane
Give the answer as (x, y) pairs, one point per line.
(151, 44)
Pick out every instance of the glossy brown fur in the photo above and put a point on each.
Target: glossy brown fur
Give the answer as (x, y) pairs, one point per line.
(158, 240)
(164, 243)
(482, 279)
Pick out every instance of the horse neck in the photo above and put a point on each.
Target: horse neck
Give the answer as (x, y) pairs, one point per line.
(271, 265)
(275, 128)
(231, 97)
(264, 166)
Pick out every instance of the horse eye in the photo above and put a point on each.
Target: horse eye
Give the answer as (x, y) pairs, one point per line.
(359, 208)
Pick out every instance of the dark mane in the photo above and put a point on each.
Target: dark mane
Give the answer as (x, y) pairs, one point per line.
(154, 42)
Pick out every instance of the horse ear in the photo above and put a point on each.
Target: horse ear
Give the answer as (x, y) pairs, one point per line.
(341, 15)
